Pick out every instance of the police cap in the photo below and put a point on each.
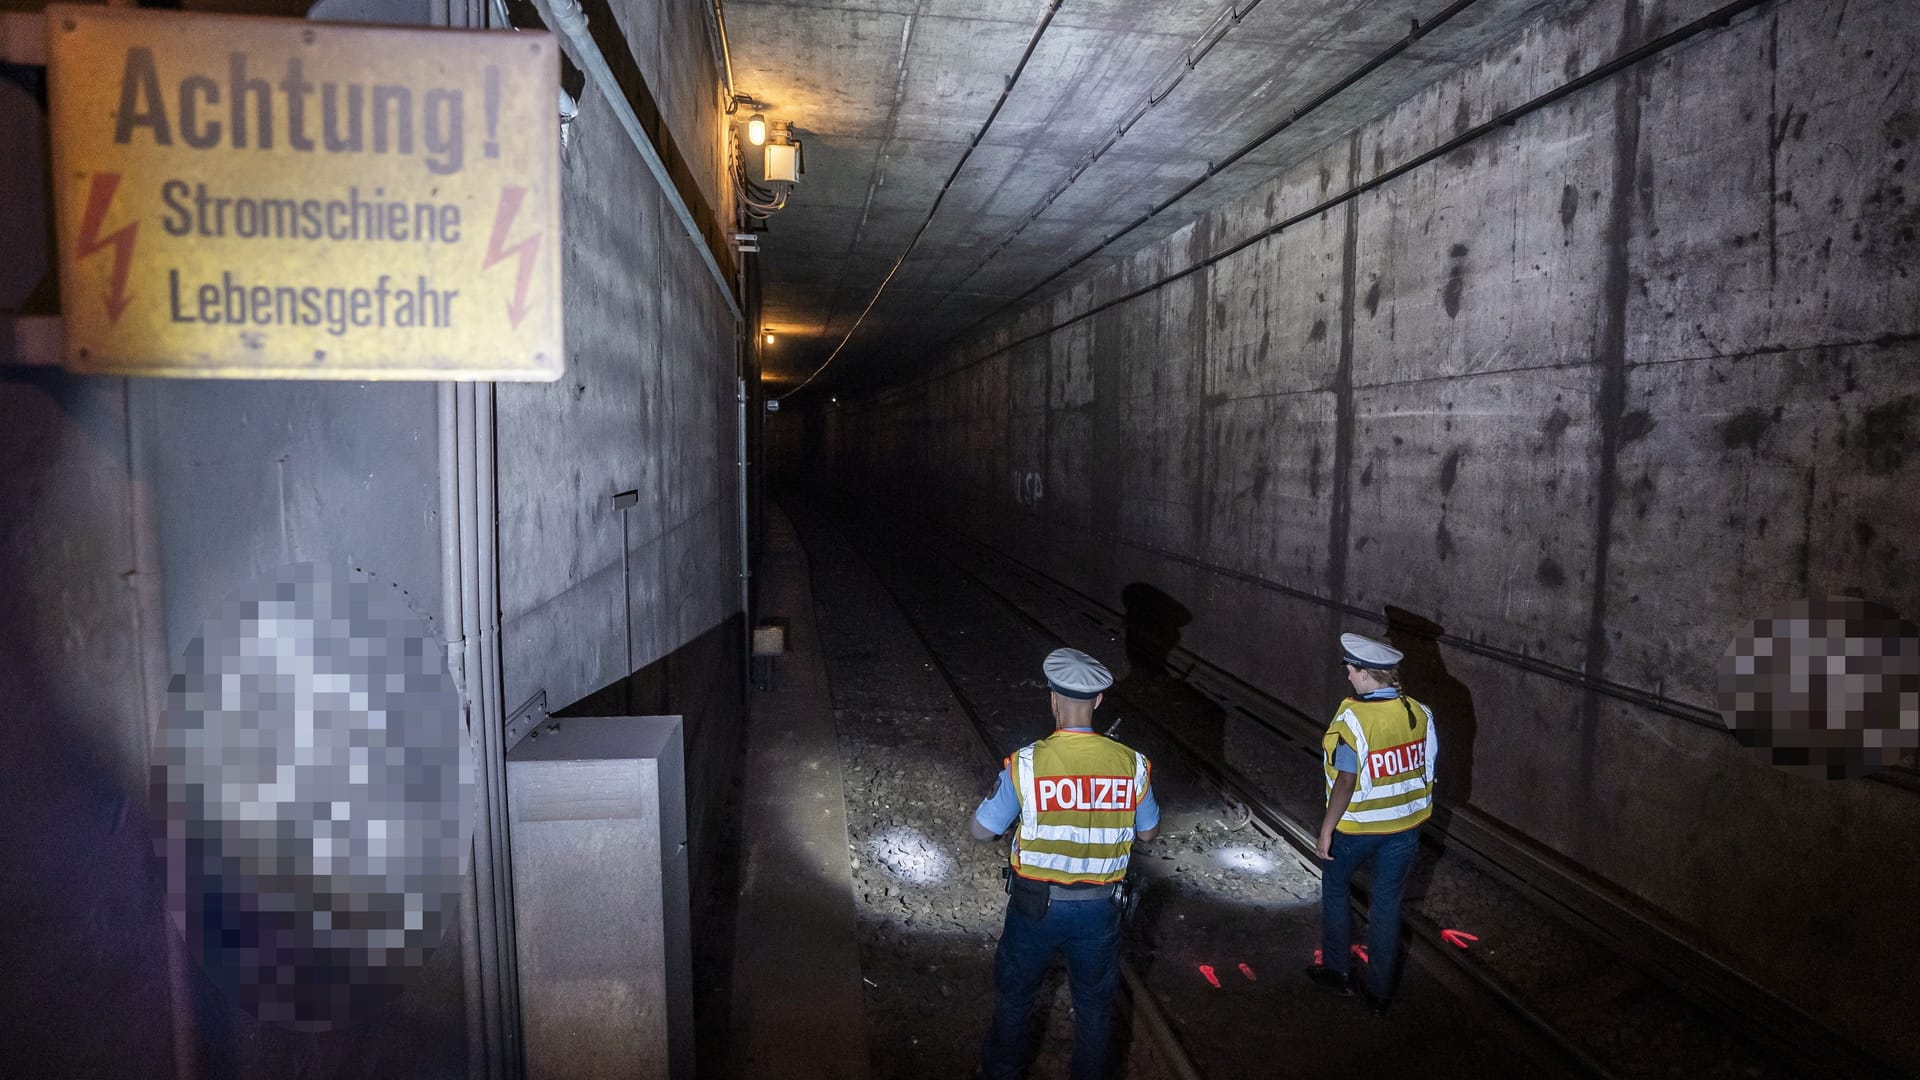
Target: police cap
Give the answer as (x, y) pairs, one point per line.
(1072, 673)
(1364, 652)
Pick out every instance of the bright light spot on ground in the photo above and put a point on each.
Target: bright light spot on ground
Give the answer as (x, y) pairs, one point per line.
(1244, 858)
(910, 856)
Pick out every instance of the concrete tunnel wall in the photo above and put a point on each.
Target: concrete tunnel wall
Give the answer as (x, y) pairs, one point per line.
(1597, 390)
(116, 492)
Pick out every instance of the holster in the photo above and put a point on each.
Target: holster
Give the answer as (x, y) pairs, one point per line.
(1028, 897)
(1127, 898)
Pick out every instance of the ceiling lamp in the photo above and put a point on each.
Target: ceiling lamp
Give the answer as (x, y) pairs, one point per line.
(757, 129)
(769, 336)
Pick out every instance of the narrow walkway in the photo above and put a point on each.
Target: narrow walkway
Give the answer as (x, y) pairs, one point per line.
(798, 1007)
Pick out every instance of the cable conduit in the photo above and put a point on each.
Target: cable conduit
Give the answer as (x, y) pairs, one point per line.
(567, 18)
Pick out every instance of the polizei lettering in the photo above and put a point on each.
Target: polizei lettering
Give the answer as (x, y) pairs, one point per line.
(1397, 759)
(1084, 793)
(246, 107)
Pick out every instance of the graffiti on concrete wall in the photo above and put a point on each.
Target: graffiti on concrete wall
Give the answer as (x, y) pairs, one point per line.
(1028, 488)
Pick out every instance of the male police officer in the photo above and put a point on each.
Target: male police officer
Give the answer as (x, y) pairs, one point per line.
(1081, 800)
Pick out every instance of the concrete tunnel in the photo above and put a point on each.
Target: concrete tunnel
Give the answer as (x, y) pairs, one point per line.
(397, 707)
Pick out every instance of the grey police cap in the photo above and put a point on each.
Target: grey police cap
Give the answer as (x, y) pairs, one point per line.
(1072, 673)
(1364, 652)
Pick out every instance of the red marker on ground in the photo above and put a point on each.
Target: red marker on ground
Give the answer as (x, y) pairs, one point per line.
(1207, 970)
(1457, 938)
(1248, 972)
(1361, 952)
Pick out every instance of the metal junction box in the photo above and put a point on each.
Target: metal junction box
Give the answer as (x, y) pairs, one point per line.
(599, 831)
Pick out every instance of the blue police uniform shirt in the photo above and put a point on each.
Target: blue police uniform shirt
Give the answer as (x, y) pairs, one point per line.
(998, 810)
(1344, 757)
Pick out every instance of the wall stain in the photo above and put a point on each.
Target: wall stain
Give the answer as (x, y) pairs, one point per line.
(1450, 469)
(1456, 282)
(1636, 425)
(1443, 540)
(1551, 574)
(1569, 205)
(1630, 162)
(1450, 293)
(1863, 533)
(1366, 475)
(1373, 298)
(1883, 436)
(1262, 475)
(1556, 422)
(1340, 498)
(1744, 429)
(1319, 331)
(1313, 471)
(1463, 120)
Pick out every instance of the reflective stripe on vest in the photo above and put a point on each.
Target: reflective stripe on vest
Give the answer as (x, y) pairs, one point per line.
(1394, 788)
(1077, 793)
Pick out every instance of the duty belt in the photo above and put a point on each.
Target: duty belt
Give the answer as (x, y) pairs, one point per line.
(1083, 892)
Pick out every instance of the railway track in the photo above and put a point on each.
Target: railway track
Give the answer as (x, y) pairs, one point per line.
(1601, 1016)
(1217, 960)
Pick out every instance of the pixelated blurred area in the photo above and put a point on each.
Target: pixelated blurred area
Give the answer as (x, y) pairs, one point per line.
(313, 781)
(1826, 688)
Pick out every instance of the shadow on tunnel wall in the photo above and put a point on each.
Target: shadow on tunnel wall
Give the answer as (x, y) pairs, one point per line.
(1425, 676)
(1153, 619)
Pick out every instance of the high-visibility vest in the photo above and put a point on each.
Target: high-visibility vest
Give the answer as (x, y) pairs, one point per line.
(1077, 793)
(1395, 743)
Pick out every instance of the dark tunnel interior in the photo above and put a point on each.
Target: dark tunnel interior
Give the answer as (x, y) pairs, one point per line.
(869, 539)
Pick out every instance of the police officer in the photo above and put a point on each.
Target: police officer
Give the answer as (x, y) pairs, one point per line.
(1379, 755)
(1081, 800)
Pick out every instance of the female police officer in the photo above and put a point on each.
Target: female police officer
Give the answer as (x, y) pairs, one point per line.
(1379, 754)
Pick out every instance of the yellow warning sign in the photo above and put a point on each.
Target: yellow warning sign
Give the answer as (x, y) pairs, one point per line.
(271, 198)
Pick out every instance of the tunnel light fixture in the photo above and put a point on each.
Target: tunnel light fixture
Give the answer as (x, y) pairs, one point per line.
(757, 129)
(782, 163)
(768, 334)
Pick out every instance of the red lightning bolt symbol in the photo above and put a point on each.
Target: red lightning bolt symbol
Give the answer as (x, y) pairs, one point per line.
(527, 250)
(99, 197)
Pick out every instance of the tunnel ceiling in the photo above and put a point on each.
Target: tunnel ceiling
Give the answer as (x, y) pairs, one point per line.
(886, 96)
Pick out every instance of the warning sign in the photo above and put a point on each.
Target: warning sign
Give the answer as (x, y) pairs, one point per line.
(270, 198)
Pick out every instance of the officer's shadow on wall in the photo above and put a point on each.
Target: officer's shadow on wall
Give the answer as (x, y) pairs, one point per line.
(1153, 620)
(1424, 675)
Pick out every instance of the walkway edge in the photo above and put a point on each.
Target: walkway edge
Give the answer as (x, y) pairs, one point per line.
(799, 1009)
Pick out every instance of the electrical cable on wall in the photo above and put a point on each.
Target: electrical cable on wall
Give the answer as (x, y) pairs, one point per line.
(1006, 90)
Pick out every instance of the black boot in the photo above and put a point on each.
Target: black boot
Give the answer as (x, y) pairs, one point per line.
(1325, 978)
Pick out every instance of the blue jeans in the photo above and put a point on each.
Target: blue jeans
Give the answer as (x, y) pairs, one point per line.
(1392, 856)
(1088, 931)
